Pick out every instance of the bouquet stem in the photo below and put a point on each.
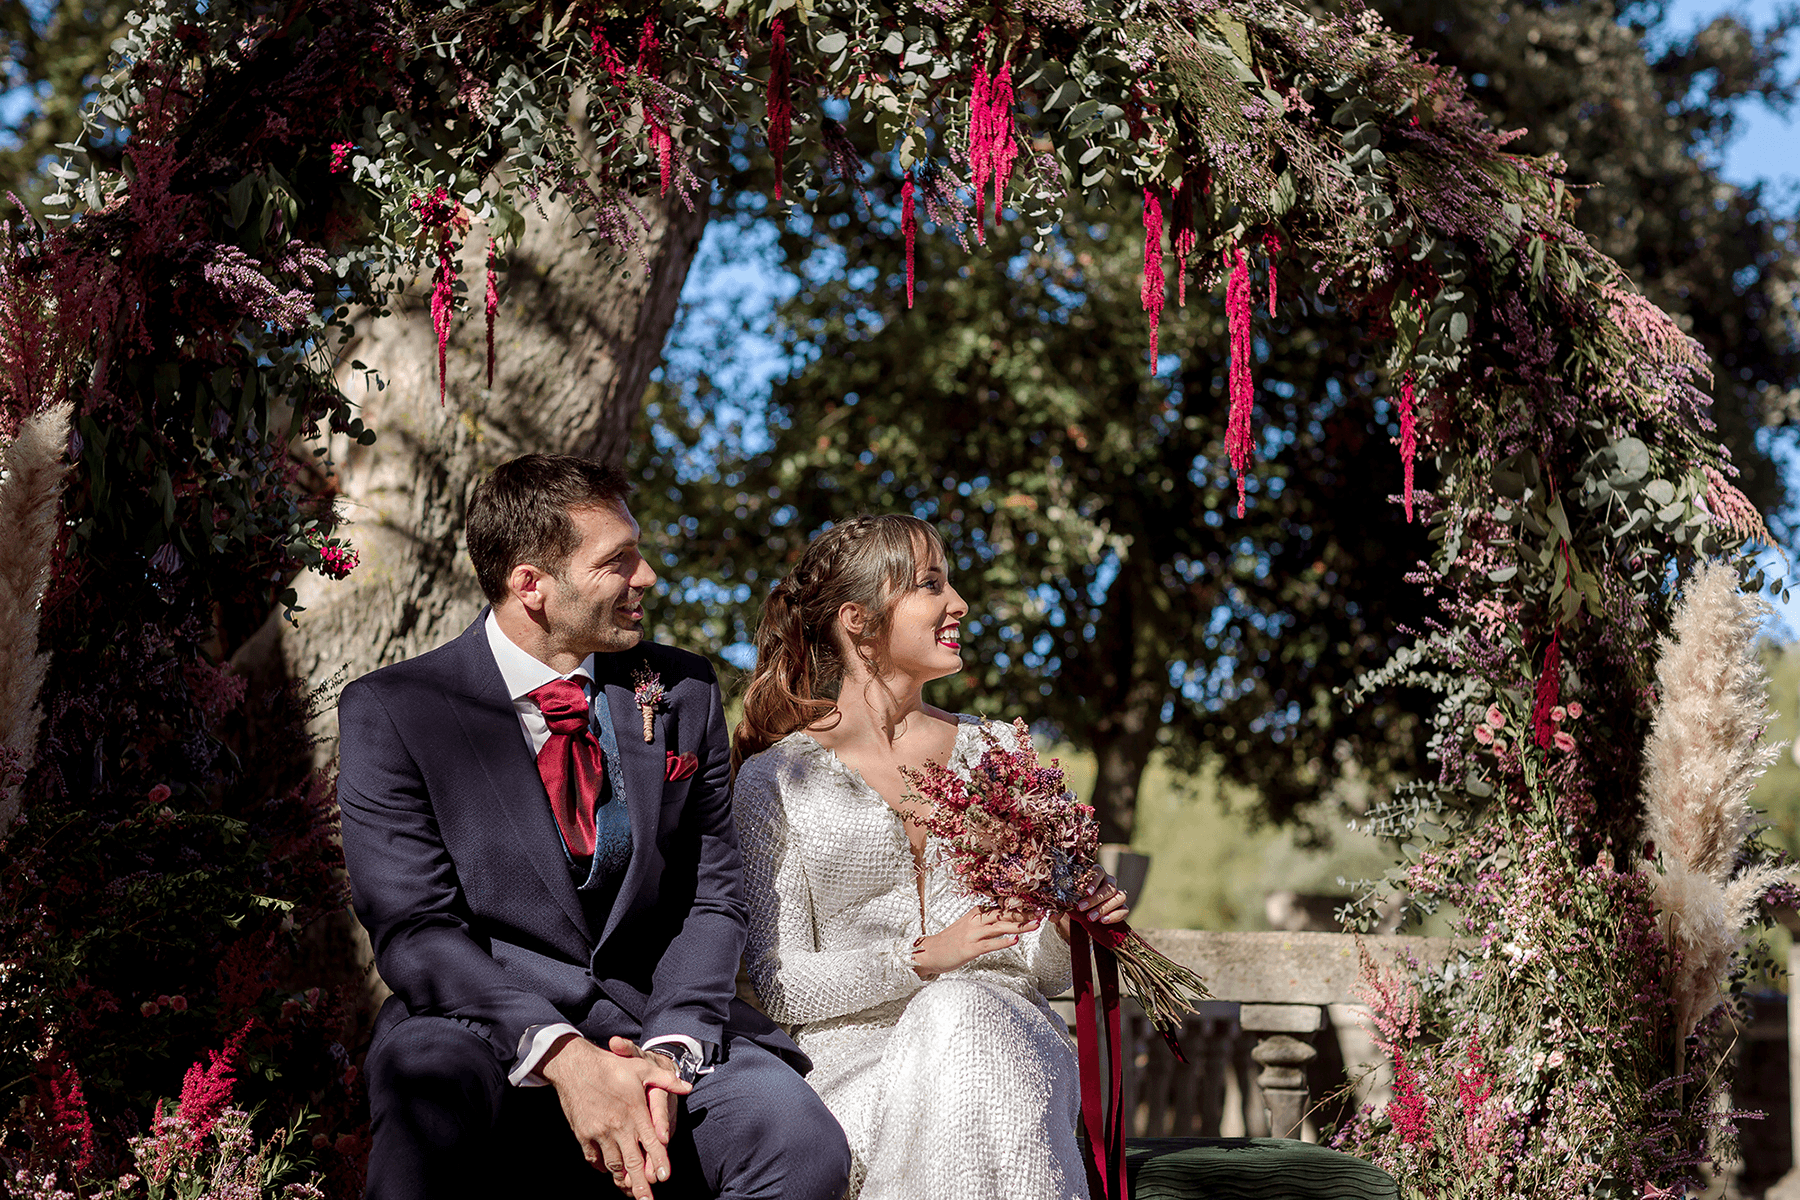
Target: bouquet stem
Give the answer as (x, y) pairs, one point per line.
(1162, 987)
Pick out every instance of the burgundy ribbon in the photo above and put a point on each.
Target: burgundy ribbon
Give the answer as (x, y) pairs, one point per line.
(1105, 1127)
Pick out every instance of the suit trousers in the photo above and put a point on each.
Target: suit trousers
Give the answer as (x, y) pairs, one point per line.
(447, 1125)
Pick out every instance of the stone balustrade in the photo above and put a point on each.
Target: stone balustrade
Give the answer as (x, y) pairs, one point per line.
(1282, 985)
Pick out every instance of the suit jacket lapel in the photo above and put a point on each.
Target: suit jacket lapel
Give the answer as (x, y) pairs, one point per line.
(491, 725)
(644, 771)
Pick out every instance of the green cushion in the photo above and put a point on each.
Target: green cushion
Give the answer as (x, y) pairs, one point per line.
(1249, 1169)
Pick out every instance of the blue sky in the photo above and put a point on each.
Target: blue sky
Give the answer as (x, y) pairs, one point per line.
(1767, 146)
(1766, 149)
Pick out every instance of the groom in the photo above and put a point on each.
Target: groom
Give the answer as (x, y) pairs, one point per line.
(552, 888)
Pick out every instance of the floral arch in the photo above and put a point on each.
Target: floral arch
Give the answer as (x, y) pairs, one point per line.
(287, 164)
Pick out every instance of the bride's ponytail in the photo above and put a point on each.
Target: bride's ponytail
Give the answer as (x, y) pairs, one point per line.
(866, 561)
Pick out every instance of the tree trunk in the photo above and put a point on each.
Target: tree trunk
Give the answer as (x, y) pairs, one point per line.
(575, 341)
(1123, 742)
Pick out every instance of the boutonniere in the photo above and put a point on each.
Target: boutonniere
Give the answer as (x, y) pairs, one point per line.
(649, 695)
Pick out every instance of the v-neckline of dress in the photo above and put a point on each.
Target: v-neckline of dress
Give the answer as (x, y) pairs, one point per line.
(920, 867)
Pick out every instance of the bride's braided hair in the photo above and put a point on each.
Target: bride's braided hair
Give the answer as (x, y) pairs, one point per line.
(866, 561)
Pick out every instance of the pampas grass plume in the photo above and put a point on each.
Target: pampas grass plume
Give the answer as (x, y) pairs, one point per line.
(1702, 758)
(33, 479)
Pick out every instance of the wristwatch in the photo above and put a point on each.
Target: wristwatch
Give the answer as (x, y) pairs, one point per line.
(687, 1063)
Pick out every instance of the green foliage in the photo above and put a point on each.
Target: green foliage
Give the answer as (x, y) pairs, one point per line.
(53, 56)
(1637, 119)
(1087, 506)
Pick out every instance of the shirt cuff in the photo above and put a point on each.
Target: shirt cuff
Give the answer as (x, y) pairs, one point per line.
(691, 1045)
(534, 1043)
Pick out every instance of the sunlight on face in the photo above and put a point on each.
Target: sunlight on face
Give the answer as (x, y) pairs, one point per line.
(925, 637)
(595, 604)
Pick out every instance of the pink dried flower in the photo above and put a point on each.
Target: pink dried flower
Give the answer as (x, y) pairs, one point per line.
(66, 1110)
(149, 1008)
(779, 106)
(1562, 741)
(1407, 1108)
(1558, 715)
(909, 229)
(1484, 735)
(239, 281)
(1409, 439)
(339, 152)
(1014, 836)
(1237, 426)
(178, 1003)
(159, 794)
(443, 308)
(1549, 684)
(1155, 287)
(337, 561)
(1730, 509)
(1495, 717)
(662, 142)
(205, 1091)
(434, 209)
(992, 147)
(1574, 710)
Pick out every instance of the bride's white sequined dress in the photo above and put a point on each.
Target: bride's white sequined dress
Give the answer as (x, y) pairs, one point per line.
(963, 1087)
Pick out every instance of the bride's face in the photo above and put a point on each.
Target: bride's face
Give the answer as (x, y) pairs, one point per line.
(924, 638)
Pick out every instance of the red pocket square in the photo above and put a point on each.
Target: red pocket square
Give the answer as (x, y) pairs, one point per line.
(680, 766)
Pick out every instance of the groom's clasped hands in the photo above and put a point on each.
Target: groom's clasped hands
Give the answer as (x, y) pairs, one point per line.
(620, 1104)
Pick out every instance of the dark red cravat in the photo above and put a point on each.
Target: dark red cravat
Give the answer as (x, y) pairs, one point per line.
(570, 763)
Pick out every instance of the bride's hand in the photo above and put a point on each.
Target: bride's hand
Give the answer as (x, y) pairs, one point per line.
(975, 933)
(1105, 903)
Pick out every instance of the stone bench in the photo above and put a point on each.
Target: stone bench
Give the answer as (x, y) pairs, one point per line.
(1281, 985)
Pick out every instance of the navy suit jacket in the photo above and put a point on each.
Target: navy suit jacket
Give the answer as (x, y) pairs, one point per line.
(458, 873)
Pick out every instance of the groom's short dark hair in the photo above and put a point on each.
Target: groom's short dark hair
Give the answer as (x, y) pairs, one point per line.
(520, 513)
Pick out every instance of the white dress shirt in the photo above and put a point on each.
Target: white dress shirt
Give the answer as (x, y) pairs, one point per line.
(523, 675)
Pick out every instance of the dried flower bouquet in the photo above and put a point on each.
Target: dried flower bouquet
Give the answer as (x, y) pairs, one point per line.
(1016, 836)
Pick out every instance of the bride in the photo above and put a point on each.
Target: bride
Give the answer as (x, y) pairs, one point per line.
(925, 1016)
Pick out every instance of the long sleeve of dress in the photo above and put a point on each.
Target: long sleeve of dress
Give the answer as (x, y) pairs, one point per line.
(796, 980)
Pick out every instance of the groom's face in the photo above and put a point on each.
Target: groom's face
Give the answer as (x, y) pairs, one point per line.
(595, 604)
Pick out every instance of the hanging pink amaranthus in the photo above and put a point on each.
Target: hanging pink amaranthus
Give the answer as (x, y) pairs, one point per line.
(609, 56)
(1184, 239)
(1549, 689)
(1155, 287)
(443, 307)
(1237, 312)
(492, 307)
(648, 66)
(1409, 440)
(909, 228)
(991, 144)
(780, 105)
(437, 214)
(649, 63)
